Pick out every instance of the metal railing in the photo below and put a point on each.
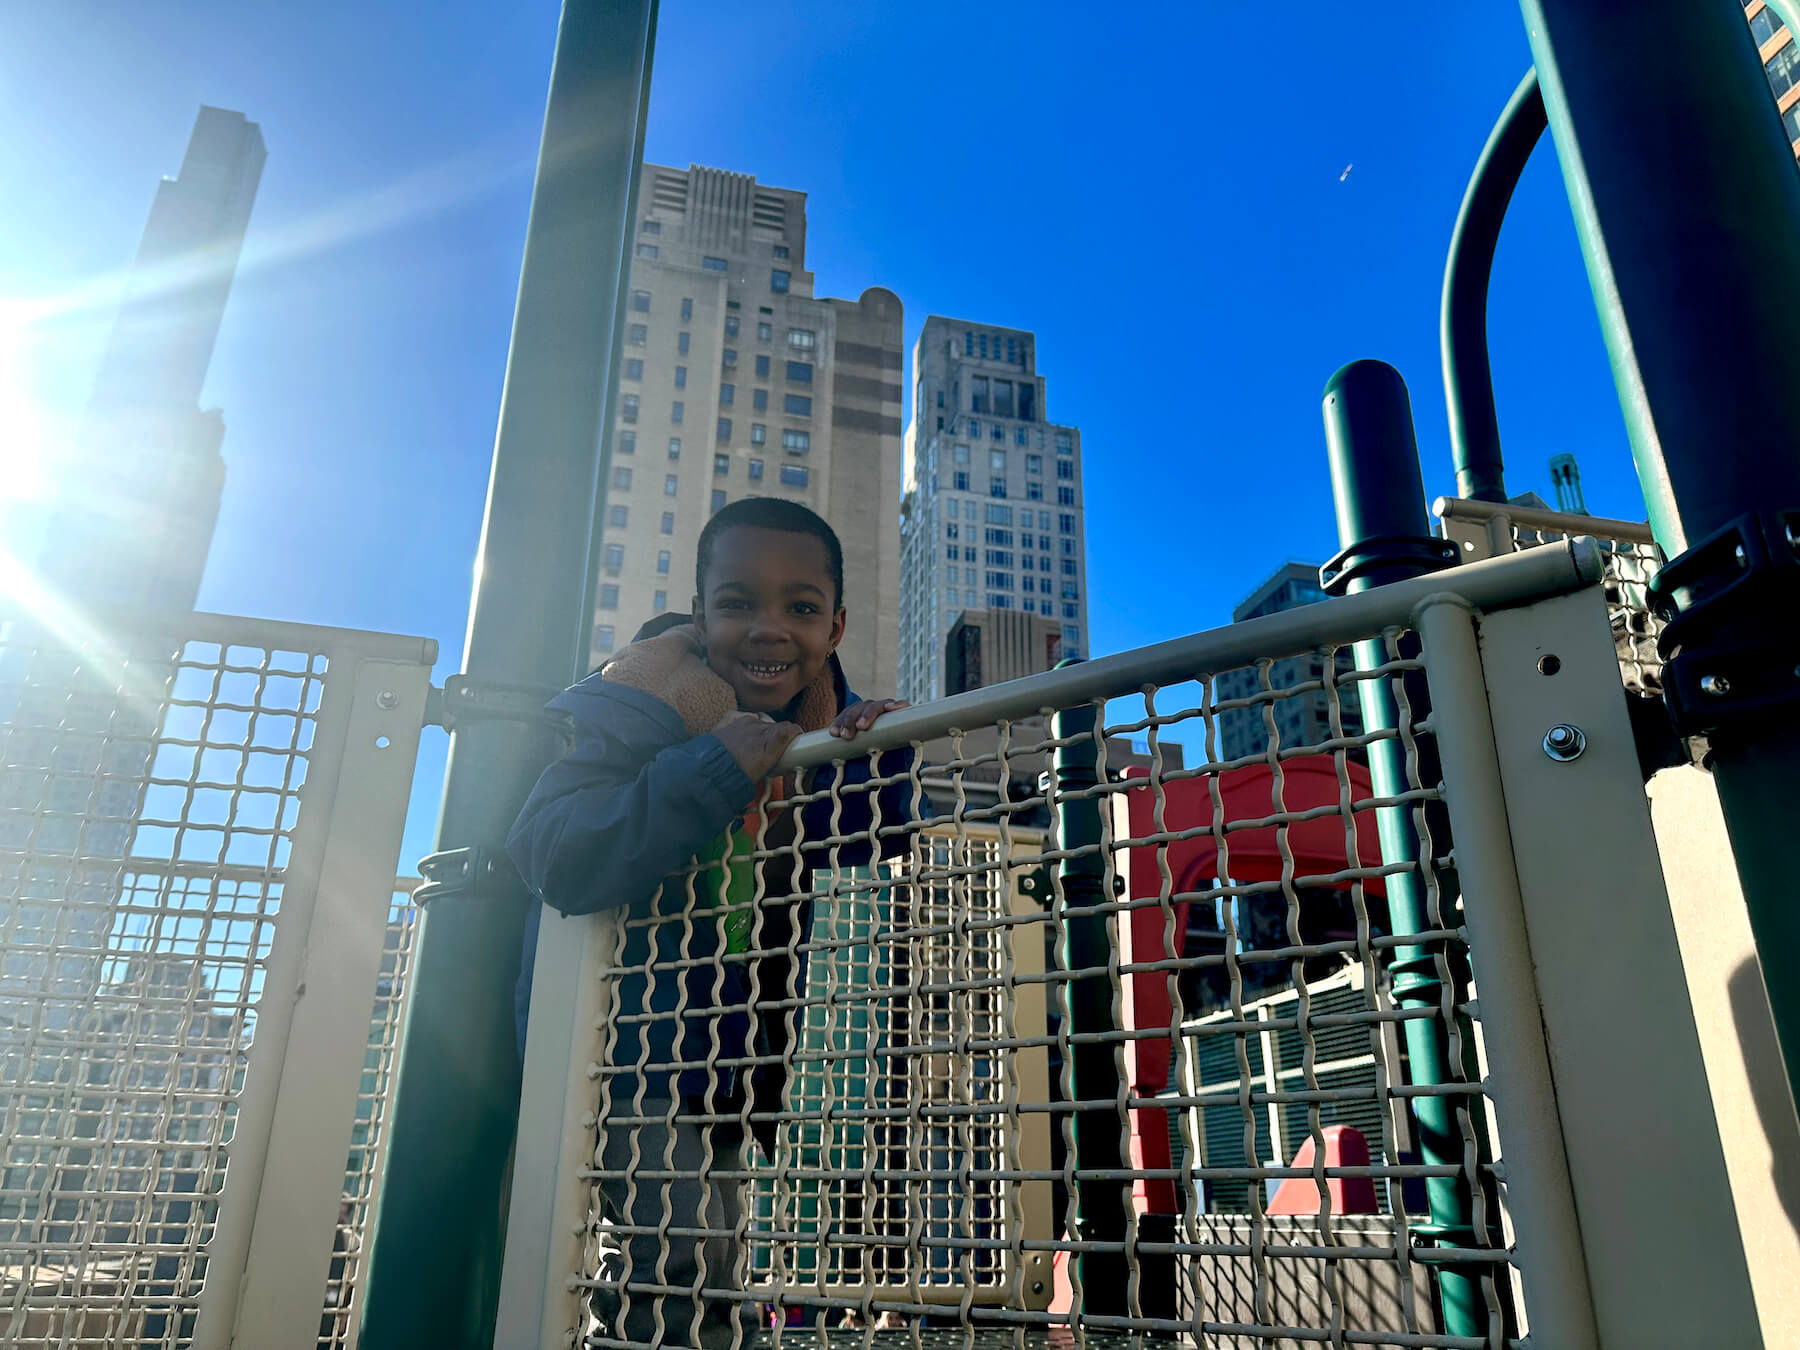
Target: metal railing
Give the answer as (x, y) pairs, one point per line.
(199, 817)
(899, 1127)
(1486, 529)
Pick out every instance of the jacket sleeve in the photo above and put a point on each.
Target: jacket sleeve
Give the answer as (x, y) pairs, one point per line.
(631, 802)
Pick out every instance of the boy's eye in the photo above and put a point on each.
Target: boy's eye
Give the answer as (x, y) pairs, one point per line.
(805, 607)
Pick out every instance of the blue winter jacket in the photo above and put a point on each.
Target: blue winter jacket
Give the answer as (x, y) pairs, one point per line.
(631, 802)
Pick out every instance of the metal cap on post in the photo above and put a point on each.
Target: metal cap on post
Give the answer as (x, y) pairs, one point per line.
(1687, 207)
(1102, 1206)
(1382, 527)
(435, 1263)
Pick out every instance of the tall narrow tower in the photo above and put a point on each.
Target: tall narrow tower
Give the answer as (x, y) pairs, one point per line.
(134, 513)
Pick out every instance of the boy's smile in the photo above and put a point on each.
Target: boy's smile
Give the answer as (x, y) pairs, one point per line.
(770, 618)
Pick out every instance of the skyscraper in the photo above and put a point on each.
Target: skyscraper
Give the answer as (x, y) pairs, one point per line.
(993, 514)
(133, 517)
(1781, 61)
(737, 382)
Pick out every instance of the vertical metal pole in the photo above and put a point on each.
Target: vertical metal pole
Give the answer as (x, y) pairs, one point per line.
(1101, 1205)
(435, 1264)
(1468, 375)
(1382, 525)
(1687, 206)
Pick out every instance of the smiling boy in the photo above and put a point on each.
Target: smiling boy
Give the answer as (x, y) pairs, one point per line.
(673, 740)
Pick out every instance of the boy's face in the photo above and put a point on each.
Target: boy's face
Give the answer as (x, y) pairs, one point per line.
(769, 617)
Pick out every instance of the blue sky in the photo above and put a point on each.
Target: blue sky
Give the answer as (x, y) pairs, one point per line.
(1157, 194)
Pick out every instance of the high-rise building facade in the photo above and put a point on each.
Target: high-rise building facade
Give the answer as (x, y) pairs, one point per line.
(738, 382)
(133, 516)
(993, 516)
(1781, 60)
(1300, 719)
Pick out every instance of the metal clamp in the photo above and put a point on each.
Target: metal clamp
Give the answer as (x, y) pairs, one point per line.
(1729, 661)
(476, 871)
(463, 701)
(1418, 553)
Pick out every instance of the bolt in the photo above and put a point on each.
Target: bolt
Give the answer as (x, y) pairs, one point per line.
(1564, 742)
(1793, 535)
(1716, 685)
(1743, 559)
(387, 699)
(1037, 1286)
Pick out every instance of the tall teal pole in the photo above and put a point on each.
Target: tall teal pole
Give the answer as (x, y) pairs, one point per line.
(1687, 205)
(1468, 374)
(434, 1270)
(1380, 496)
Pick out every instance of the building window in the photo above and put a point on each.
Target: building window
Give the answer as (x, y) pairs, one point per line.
(687, 310)
(609, 596)
(731, 325)
(1034, 491)
(622, 478)
(1011, 359)
(778, 281)
(718, 498)
(999, 581)
(1791, 120)
(968, 343)
(1784, 68)
(803, 338)
(1765, 25)
(634, 369)
(1065, 496)
(995, 514)
(615, 556)
(793, 475)
(960, 480)
(669, 482)
(668, 522)
(1068, 567)
(640, 302)
(975, 428)
(603, 638)
(1065, 469)
(978, 394)
(800, 372)
(796, 405)
(662, 563)
(637, 334)
(997, 486)
(1020, 436)
(660, 601)
(681, 377)
(628, 407)
(724, 430)
(1066, 523)
(1003, 400)
(626, 443)
(681, 344)
(715, 264)
(1065, 444)
(618, 516)
(721, 465)
(674, 447)
(762, 367)
(727, 395)
(1034, 464)
(996, 459)
(1070, 611)
(756, 470)
(764, 330)
(798, 442)
(648, 250)
(759, 434)
(652, 227)
(998, 557)
(781, 250)
(1028, 408)
(677, 410)
(1000, 538)
(728, 357)
(1068, 545)
(983, 341)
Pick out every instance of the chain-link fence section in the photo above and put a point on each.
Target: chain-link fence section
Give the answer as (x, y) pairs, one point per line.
(163, 790)
(1632, 559)
(969, 1036)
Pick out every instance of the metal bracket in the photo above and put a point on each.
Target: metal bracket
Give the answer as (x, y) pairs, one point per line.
(463, 701)
(1728, 662)
(1421, 553)
(476, 871)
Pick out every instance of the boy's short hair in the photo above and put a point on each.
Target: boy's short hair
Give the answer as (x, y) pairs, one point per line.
(771, 513)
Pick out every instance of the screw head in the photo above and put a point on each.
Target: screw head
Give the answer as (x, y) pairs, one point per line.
(387, 699)
(1564, 742)
(1743, 559)
(1716, 685)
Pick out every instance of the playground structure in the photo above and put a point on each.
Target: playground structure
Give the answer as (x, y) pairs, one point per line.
(1053, 1067)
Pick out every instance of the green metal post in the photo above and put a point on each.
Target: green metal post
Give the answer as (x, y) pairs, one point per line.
(435, 1265)
(1687, 205)
(1103, 1202)
(1382, 525)
(1468, 376)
